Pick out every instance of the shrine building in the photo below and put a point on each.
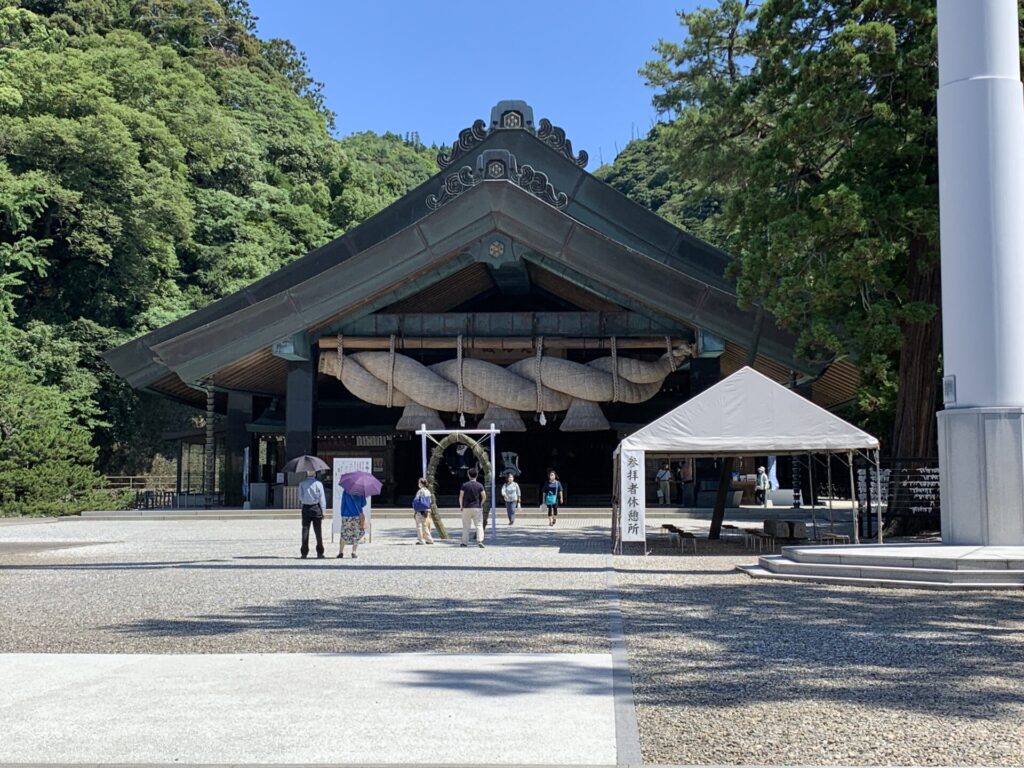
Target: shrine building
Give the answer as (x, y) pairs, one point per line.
(513, 287)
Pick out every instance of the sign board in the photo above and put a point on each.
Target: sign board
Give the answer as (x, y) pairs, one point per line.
(342, 467)
(632, 497)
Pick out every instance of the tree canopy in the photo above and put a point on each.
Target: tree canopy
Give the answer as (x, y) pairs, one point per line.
(156, 155)
(813, 123)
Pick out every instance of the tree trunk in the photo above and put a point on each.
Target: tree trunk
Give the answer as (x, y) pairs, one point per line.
(913, 434)
(718, 515)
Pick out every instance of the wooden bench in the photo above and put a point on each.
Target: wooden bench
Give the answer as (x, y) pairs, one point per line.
(763, 540)
(680, 535)
(834, 538)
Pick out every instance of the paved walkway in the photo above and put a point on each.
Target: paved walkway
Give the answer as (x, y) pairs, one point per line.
(307, 708)
(211, 642)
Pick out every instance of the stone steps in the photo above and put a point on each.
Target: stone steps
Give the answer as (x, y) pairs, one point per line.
(757, 572)
(911, 566)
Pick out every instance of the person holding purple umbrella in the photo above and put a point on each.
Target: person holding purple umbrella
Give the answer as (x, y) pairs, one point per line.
(357, 486)
(353, 522)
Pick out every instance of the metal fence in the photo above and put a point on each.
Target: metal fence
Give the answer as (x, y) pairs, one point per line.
(909, 493)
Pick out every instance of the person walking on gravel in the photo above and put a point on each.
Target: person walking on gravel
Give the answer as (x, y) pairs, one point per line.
(553, 496)
(421, 505)
(511, 494)
(353, 522)
(472, 498)
(313, 500)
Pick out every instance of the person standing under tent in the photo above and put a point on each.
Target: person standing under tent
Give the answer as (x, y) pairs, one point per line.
(353, 522)
(512, 495)
(664, 479)
(761, 487)
(472, 498)
(314, 501)
(421, 505)
(553, 496)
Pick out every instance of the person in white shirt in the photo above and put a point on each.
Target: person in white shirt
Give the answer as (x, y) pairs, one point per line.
(421, 505)
(314, 501)
(761, 487)
(664, 479)
(511, 494)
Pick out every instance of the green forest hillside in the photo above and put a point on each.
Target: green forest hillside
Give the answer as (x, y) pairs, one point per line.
(154, 155)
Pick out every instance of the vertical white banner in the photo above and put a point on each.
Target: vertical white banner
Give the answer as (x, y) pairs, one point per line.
(343, 467)
(632, 496)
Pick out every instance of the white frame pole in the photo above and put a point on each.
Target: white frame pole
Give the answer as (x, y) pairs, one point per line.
(423, 437)
(494, 486)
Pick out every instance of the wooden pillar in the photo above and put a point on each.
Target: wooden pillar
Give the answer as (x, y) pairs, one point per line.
(300, 408)
(236, 440)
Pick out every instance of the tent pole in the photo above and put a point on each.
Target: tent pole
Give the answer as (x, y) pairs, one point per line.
(854, 511)
(810, 473)
(831, 517)
(878, 491)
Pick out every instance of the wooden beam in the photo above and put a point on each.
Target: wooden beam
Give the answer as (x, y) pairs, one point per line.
(506, 343)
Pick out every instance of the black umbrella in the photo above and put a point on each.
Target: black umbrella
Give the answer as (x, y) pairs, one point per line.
(305, 464)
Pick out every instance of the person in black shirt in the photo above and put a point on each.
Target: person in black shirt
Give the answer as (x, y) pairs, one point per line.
(553, 496)
(472, 498)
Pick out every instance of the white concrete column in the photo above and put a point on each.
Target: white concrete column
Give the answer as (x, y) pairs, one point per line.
(981, 199)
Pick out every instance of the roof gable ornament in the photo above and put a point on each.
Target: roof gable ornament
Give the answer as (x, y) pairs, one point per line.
(510, 115)
(495, 164)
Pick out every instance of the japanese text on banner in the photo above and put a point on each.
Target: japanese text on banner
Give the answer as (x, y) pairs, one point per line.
(632, 497)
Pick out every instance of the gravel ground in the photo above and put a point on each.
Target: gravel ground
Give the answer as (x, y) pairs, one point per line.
(238, 586)
(728, 670)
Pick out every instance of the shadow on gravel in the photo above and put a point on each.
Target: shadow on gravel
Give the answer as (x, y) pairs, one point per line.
(566, 675)
(404, 624)
(752, 643)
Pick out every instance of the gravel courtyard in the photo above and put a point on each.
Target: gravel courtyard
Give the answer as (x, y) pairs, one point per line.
(726, 670)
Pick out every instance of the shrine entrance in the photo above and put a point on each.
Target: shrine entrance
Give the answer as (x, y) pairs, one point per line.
(484, 457)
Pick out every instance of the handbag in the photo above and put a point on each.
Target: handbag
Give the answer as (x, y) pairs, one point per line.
(421, 504)
(551, 499)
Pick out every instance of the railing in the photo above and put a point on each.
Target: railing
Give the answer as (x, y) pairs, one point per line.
(136, 482)
(909, 492)
(153, 499)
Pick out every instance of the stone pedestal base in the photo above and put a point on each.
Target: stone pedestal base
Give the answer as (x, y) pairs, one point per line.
(981, 461)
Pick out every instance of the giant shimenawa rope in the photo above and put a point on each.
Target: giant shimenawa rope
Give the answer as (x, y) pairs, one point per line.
(468, 385)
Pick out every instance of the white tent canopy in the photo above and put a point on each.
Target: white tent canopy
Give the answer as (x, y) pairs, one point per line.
(745, 414)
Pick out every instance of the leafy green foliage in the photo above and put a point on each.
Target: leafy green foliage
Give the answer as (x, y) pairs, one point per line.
(156, 155)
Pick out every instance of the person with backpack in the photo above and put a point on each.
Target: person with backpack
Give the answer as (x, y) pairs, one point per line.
(553, 496)
(511, 494)
(421, 506)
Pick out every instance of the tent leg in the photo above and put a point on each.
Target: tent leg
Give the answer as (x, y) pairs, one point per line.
(831, 516)
(810, 475)
(854, 511)
(724, 480)
(878, 492)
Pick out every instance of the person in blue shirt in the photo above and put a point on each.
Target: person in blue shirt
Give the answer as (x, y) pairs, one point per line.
(353, 522)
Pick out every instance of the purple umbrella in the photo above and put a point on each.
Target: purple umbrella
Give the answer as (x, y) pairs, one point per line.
(360, 483)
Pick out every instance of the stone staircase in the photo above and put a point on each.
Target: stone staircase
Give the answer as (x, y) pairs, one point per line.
(896, 565)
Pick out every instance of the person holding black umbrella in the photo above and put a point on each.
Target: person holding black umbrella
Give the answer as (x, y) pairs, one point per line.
(313, 499)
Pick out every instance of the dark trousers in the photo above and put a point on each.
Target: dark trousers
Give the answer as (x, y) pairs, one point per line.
(759, 496)
(311, 514)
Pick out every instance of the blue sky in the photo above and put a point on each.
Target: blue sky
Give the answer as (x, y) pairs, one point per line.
(435, 67)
